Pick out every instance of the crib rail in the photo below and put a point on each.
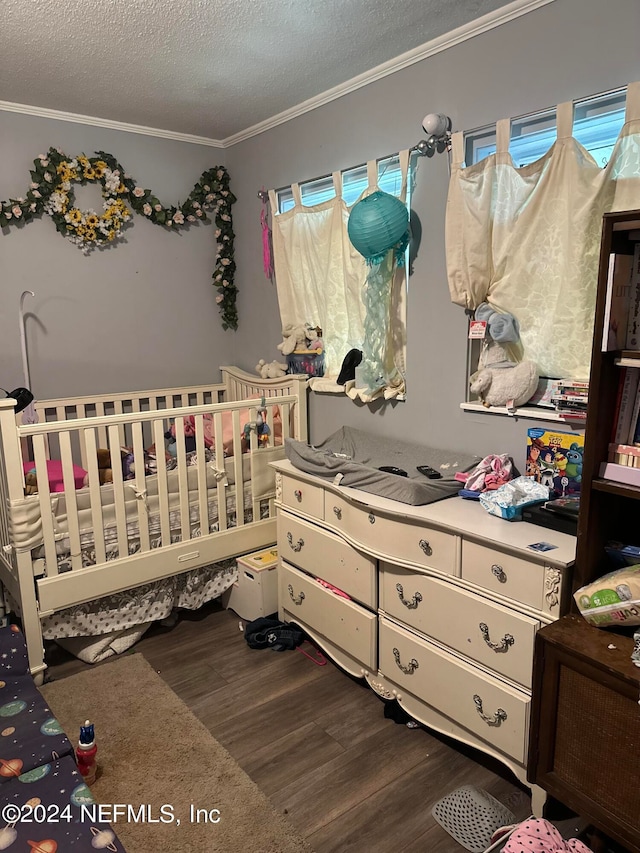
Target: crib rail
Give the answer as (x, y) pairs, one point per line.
(202, 491)
(206, 504)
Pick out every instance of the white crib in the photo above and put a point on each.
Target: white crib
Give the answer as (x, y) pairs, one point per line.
(62, 548)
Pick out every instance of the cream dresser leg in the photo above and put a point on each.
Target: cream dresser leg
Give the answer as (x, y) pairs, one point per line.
(538, 799)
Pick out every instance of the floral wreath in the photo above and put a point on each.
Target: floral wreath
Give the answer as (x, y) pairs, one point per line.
(51, 192)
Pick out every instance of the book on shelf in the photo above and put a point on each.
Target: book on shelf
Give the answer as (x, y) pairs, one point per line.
(627, 395)
(633, 316)
(635, 417)
(625, 454)
(568, 401)
(620, 473)
(618, 302)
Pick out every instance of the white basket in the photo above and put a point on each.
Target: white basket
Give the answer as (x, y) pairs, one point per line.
(471, 816)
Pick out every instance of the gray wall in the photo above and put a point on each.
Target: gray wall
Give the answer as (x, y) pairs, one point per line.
(138, 315)
(566, 50)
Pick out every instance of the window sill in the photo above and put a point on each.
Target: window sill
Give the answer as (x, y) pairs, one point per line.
(324, 386)
(536, 413)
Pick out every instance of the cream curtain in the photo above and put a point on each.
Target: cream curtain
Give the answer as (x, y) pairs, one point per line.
(319, 280)
(527, 240)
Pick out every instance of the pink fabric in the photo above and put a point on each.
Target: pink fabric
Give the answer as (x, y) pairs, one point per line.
(227, 427)
(540, 836)
(267, 256)
(54, 472)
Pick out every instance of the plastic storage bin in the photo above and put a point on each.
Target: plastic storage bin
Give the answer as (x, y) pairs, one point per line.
(308, 361)
(255, 593)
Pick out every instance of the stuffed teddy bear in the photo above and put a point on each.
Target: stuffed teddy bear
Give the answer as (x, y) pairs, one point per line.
(294, 337)
(105, 472)
(273, 370)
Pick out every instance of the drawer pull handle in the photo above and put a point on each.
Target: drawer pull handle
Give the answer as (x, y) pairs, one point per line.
(298, 495)
(297, 546)
(410, 668)
(372, 518)
(296, 600)
(499, 573)
(495, 719)
(337, 511)
(411, 603)
(426, 548)
(502, 646)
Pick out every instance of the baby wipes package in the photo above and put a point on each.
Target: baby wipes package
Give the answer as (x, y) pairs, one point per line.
(613, 599)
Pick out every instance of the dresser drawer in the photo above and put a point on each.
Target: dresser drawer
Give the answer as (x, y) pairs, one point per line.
(492, 710)
(328, 557)
(303, 497)
(487, 632)
(504, 574)
(344, 623)
(393, 537)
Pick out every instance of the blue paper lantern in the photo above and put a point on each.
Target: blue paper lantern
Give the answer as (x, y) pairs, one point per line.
(378, 223)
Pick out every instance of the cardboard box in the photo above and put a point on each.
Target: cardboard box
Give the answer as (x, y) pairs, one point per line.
(255, 593)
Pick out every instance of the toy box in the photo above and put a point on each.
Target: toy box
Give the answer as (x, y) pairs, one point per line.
(255, 593)
(555, 459)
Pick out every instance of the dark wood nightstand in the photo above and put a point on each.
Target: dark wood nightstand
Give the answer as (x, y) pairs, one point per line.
(585, 729)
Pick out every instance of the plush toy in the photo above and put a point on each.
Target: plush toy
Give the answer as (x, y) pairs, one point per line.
(314, 338)
(499, 380)
(294, 337)
(509, 386)
(273, 370)
(105, 472)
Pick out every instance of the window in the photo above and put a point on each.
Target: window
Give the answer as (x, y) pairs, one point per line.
(320, 277)
(354, 183)
(596, 125)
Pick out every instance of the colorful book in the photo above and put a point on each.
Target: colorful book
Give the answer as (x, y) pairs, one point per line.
(554, 459)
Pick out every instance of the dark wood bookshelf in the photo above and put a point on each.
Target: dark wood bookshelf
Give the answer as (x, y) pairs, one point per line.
(585, 687)
(624, 490)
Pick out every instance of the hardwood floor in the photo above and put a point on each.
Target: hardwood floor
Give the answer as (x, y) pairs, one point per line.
(315, 740)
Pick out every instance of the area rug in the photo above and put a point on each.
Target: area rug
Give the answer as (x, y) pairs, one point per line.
(153, 752)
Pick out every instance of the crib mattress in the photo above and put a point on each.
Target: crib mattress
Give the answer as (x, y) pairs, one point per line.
(354, 456)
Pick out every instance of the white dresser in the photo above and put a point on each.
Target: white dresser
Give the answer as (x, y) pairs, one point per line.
(443, 603)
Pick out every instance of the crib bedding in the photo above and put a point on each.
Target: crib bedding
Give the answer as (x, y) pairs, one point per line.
(25, 519)
(87, 541)
(150, 602)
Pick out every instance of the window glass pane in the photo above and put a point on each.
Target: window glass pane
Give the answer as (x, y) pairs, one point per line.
(354, 183)
(597, 123)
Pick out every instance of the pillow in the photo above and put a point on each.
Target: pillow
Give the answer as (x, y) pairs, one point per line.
(54, 474)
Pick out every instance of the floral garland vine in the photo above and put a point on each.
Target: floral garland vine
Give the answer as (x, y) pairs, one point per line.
(51, 192)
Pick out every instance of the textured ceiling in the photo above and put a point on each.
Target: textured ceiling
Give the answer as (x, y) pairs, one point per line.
(211, 68)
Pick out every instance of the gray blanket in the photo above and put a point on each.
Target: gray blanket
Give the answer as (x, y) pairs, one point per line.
(357, 455)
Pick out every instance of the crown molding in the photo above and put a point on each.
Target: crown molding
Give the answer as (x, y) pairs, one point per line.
(467, 31)
(94, 121)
